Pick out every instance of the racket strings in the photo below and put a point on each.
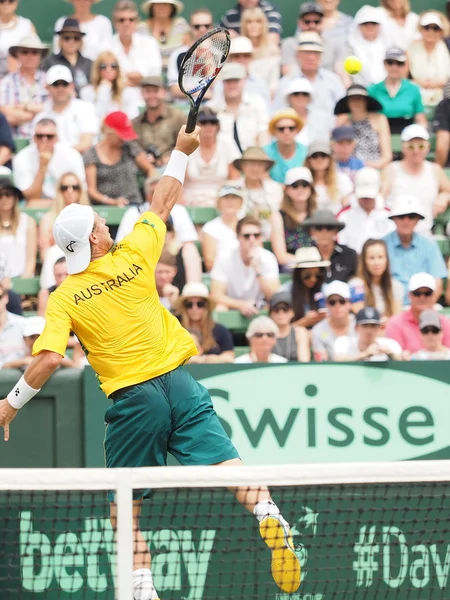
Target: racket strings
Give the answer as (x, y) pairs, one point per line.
(205, 62)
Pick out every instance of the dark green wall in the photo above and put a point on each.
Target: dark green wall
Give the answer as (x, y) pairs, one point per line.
(45, 12)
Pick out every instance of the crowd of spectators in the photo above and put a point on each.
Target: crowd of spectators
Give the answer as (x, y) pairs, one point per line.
(321, 234)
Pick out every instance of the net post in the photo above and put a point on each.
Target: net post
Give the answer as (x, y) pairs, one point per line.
(124, 534)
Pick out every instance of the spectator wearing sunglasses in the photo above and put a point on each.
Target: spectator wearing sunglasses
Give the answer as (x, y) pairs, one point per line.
(97, 27)
(231, 20)
(432, 335)
(244, 278)
(339, 321)
(201, 21)
(262, 336)
(292, 341)
(404, 327)
(414, 173)
(107, 91)
(14, 28)
(367, 345)
(429, 59)
(138, 54)
(399, 97)
(70, 189)
(75, 119)
(23, 93)
(323, 228)
(194, 308)
(39, 166)
(333, 187)
(288, 231)
(70, 42)
(409, 251)
(285, 150)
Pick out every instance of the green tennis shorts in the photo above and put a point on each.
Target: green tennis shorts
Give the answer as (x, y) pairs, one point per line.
(171, 413)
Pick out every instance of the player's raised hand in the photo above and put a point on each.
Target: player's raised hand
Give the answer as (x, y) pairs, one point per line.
(188, 142)
(7, 414)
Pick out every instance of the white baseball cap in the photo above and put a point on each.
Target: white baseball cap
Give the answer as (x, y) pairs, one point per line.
(241, 45)
(421, 280)
(367, 183)
(58, 73)
(71, 232)
(337, 288)
(33, 326)
(414, 131)
(431, 18)
(406, 205)
(298, 174)
(300, 84)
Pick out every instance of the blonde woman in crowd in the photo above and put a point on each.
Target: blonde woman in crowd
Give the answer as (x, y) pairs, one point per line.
(333, 188)
(107, 91)
(429, 59)
(69, 191)
(266, 57)
(399, 23)
(18, 232)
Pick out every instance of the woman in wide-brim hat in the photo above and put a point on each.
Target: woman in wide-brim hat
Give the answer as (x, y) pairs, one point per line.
(165, 24)
(98, 28)
(194, 307)
(13, 29)
(362, 112)
(262, 195)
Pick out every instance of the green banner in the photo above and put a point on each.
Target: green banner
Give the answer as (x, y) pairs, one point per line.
(281, 414)
(367, 543)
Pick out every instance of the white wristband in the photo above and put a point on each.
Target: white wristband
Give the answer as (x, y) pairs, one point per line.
(177, 165)
(21, 394)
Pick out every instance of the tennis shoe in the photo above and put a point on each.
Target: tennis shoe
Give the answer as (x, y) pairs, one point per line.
(275, 531)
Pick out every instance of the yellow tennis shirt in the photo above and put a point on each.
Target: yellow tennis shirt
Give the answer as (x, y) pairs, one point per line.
(114, 309)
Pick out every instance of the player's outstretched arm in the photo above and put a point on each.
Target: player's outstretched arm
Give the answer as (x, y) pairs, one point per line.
(168, 189)
(40, 369)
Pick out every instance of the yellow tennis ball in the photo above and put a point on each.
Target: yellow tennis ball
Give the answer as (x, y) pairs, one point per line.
(352, 65)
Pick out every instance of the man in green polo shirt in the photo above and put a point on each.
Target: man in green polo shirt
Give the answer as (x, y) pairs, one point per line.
(399, 97)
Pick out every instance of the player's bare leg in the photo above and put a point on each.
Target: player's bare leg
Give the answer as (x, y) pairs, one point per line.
(274, 530)
(143, 586)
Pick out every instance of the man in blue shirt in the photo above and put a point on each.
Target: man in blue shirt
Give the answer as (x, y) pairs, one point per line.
(343, 145)
(410, 252)
(231, 20)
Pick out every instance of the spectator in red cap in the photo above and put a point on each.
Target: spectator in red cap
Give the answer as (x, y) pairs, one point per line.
(404, 327)
(111, 165)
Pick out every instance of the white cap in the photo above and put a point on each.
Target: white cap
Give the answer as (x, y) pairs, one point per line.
(71, 232)
(421, 280)
(367, 183)
(431, 18)
(367, 14)
(298, 174)
(233, 70)
(337, 288)
(241, 45)
(33, 326)
(300, 84)
(406, 205)
(58, 73)
(414, 131)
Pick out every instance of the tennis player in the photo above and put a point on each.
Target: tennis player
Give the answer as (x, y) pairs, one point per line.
(137, 348)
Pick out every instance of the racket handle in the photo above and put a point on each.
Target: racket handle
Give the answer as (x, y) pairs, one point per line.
(191, 120)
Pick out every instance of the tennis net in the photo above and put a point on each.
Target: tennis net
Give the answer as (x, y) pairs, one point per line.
(377, 531)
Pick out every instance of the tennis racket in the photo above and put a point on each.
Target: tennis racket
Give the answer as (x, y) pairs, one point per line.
(201, 65)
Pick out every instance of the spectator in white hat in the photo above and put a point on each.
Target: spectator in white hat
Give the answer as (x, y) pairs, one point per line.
(335, 49)
(429, 60)
(367, 218)
(299, 202)
(327, 86)
(339, 322)
(243, 115)
(432, 335)
(243, 278)
(367, 345)
(23, 92)
(409, 251)
(262, 336)
(75, 119)
(219, 235)
(318, 122)
(414, 173)
(404, 327)
(368, 44)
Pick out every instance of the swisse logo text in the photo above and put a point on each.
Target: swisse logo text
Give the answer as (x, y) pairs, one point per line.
(291, 414)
